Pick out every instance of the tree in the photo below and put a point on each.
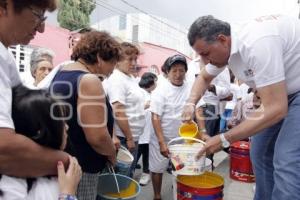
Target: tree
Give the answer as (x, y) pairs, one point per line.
(75, 14)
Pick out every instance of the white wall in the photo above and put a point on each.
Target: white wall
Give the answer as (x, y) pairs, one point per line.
(157, 31)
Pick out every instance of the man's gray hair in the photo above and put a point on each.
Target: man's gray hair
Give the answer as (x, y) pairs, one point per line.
(207, 28)
(38, 55)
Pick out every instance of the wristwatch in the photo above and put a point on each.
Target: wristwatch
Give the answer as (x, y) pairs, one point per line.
(225, 143)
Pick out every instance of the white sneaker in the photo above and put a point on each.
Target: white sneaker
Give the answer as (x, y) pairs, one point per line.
(145, 178)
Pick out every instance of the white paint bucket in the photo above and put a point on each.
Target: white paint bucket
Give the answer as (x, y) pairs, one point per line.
(183, 155)
(124, 161)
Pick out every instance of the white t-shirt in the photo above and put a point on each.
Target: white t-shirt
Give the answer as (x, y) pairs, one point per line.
(244, 90)
(222, 83)
(266, 51)
(124, 89)
(16, 189)
(235, 90)
(167, 101)
(161, 79)
(148, 130)
(193, 70)
(9, 77)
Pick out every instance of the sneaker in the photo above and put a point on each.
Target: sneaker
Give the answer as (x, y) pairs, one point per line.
(145, 178)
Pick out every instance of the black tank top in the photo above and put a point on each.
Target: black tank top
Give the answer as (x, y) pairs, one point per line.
(65, 84)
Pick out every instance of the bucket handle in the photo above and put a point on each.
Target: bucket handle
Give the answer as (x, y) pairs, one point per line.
(185, 138)
(112, 171)
(124, 148)
(126, 151)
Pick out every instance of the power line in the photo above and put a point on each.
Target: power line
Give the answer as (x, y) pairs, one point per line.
(118, 11)
(157, 19)
(122, 12)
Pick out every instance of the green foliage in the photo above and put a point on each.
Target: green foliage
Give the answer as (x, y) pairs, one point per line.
(74, 14)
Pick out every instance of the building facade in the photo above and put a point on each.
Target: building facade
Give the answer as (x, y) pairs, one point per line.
(139, 28)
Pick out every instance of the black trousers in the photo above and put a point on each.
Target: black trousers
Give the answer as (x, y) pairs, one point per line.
(144, 151)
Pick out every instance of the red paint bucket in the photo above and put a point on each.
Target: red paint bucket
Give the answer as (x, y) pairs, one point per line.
(208, 186)
(240, 163)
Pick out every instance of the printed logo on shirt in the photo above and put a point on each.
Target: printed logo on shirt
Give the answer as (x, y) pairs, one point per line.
(249, 73)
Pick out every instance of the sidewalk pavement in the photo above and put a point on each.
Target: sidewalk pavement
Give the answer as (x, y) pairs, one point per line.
(233, 190)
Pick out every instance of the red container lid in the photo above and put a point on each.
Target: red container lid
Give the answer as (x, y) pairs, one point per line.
(241, 145)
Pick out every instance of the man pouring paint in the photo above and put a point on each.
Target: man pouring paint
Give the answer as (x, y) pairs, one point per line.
(265, 54)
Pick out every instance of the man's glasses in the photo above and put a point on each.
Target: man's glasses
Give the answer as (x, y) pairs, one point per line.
(39, 15)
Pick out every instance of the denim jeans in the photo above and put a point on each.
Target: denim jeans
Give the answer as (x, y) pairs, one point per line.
(134, 153)
(224, 118)
(275, 155)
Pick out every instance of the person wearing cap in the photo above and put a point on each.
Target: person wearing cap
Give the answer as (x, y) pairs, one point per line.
(41, 64)
(167, 102)
(264, 54)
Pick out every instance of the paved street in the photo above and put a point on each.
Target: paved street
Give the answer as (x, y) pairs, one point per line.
(233, 190)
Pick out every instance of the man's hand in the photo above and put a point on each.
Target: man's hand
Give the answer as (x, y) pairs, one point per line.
(212, 145)
(188, 112)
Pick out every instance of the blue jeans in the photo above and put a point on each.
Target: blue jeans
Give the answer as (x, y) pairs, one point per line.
(224, 118)
(134, 153)
(275, 155)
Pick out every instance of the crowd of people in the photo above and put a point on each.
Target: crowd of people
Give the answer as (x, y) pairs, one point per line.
(68, 125)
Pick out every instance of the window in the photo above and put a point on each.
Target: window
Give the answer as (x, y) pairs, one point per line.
(135, 34)
(22, 56)
(122, 22)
